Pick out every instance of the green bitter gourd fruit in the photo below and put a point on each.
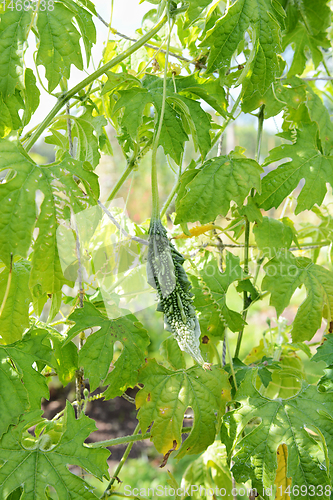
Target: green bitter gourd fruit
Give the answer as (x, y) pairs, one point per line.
(166, 274)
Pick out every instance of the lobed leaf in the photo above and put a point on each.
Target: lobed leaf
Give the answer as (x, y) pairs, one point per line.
(229, 31)
(41, 461)
(97, 353)
(284, 273)
(164, 399)
(307, 162)
(22, 386)
(306, 25)
(17, 224)
(217, 284)
(214, 185)
(281, 421)
(59, 45)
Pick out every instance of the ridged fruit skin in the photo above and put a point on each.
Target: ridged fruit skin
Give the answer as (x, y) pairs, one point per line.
(166, 274)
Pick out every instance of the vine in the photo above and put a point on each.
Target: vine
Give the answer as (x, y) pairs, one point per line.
(239, 255)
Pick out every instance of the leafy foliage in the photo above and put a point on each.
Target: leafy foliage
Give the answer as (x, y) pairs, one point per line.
(17, 226)
(97, 353)
(284, 274)
(217, 284)
(307, 163)
(227, 33)
(212, 188)
(165, 398)
(22, 385)
(69, 265)
(41, 461)
(256, 455)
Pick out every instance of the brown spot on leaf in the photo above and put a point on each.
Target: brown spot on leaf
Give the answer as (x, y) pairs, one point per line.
(148, 397)
(205, 339)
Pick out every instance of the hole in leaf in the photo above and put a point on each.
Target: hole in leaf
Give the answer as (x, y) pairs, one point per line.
(7, 175)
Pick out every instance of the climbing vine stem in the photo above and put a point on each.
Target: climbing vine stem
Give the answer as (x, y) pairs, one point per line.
(246, 297)
(154, 183)
(121, 463)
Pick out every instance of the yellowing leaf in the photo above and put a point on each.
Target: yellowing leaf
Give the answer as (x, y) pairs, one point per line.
(165, 397)
(282, 481)
(196, 231)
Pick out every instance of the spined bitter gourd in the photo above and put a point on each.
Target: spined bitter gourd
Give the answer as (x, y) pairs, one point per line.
(166, 274)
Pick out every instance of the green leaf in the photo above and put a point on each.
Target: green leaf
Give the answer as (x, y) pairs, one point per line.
(38, 462)
(224, 37)
(210, 470)
(271, 235)
(15, 315)
(289, 93)
(180, 109)
(208, 89)
(97, 353)
(22, 386)
(209, 316)
(13, 32)
(85, 23)
(318, 113)
(195, 8)
(171, 352)
(201, 125)
(87, 145)
(307, 162)
(24, 355)
(165, 397)
(31, 95)
(307, 21)
(64, 359)
(281, 421)
(59, 45)
(218, 182)
(284, 273)
(325, 350)
(17, 224)
(217, 284)
(251, 211)
(116, 80)
(13, 397)
(301, 40)
(134, 102)
(9, 113)
(173, 135)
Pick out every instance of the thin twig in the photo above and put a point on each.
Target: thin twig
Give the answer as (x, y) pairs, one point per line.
(129, 439)
(150, 46)
(69, 130)
(121, 229)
